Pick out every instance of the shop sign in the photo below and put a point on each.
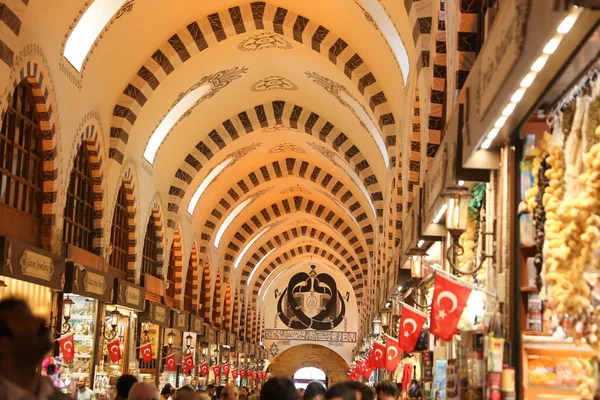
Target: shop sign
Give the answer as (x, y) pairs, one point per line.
(245, 347)
(94, 283)
(436, 178)
(232, 340)
(501, 51)
(24, 262)
(408, 227)
(211, 335)
(160, 314)
(222, 338)
(129, 295)
(197, 325)
(82, 281)
(180, 320)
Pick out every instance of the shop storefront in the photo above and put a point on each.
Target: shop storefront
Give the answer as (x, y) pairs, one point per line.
(87, 291)
(173, 344)
(193, 348)
(151, 332)
(207, 359)
(118, 355)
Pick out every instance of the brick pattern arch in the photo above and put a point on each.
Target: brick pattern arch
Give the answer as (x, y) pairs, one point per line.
(420, 15)
(321, 251)
(157, 220)
(290, 167)
(177, 259)
(129, 185)
(227, 306)
(327, 360)
(263, 117)
(438, 87)
(236, 312)
(195, 266)
(36, 76)
(209, 31)
(9, 40)
(241, 328)
(303, 204)
(414, 178)
(353, 273)
(217, 307)
(204, 292)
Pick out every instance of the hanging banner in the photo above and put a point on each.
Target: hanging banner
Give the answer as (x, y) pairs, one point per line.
(67, 347)
(114, 350)
(146, 352)
(411, 325)
(171, 363)
(449, 299)
(392, 353)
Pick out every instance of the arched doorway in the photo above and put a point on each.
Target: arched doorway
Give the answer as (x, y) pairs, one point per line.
(306, 375)
(310, 355)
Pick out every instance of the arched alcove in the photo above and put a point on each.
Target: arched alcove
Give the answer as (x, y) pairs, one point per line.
(306, 375)
(311, 355)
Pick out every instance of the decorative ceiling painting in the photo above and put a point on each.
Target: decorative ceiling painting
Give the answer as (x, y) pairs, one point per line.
(263, 41)
(273, 83)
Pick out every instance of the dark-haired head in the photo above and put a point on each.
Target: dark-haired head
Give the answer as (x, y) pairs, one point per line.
(124, 384)
(314, 390)
(340, 391)
(279, 389)
(386, 389)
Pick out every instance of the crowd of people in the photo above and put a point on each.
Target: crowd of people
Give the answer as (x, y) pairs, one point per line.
(25, 339)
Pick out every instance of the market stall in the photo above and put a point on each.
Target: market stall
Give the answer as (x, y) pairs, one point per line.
(193, 347)
(151, 331)
(172, 370)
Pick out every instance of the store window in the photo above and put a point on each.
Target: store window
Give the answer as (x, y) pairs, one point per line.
(171, 273)
(119, 236)
(21, 153)
(150, 253)
(79, 209)
(189, 288)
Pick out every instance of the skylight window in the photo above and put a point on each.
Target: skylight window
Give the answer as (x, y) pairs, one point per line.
(174, 115)
(381, 17)
(207, 181)
(232, 215)
(250, 243)
(87, 30)
(259, 263)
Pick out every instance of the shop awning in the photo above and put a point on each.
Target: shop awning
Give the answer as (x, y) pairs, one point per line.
(129, 295)
(22, 261)
(156, 313)
(88, 283)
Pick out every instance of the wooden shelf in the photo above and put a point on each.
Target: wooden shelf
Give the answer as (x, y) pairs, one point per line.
(529, 289)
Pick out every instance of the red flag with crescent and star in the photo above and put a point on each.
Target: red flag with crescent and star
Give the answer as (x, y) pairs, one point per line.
(226, 369)
(204, 369)
(411, 325)
(234, 374)
(392, 353)
(367, 371)
(378, 355)
(170, 362)
(67, 347)
(188, 363)
(449, 300)
(217, 371)
(249, 372)
(146, 352)
(255, 376)
(114, 350)
(242, 373)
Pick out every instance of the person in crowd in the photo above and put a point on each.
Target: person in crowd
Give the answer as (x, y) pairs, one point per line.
(202, 396)
(194, 384)
(24, 340)
(124, 384)
(143, 391)
(185, 393)
(83, 392)
(340, 391)
(386, 390)
(300, 394)
(245, 391)
(211, 391)
(218, 391)
(363, 392)
(279, 389)
(314, 391)
(165, 393)
(230, 392)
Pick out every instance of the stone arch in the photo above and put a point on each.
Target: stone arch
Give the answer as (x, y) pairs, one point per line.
(218, 301)
(276, 115)
(204, 292)
(438, 88)
(195, 266)
(310, 355)
(156, 216)
(235, 325)
(177, 257)
(227, 308)
(210, 30)
(37, 76)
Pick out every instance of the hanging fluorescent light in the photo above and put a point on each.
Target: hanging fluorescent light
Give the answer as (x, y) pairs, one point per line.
(259, 263)
(528, 80)
(491, 135)
(567, 23)
(232, 215)
(486, 144)
(248, 245)
(205, 183)
(518, 95)
(539, 63)
(551, 46)
(509, 109)
(440, 213)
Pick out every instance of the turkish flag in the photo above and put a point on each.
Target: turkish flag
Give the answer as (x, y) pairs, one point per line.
(378, 352)
(226, 369)
(67, 346)
(188, 363)
(171, 363)
(146, 352)
(204, 369)
(242, 373)
(360, 366)
(255, 376)
(411, 324)
(114, 350)
(392, 353)
(249, 372)
(217, 371)
(262, 375)
(234, 374)
(449, 300)
(367, 371)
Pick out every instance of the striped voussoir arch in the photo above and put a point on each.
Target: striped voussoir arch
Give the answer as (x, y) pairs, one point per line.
(263, 117)
(287, 206)
(241, 328)
(157, 220)
(35, 75)
(214, 28)
(227, 309)
(129, 189)
(236, 312)
(204, 294)
(217, 306)
(193, 264)
(9, 40)
(353, 273)
(466, 45)
(438, 87)
(414, 178)
(291, 167)
(176, 248)
(420, 15)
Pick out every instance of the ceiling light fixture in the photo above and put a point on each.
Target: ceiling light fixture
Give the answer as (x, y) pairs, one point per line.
(550, 47)
(87, 30)
(232, 215)
(259, 263)
(173, 116)
(248, 245)
(205, 183)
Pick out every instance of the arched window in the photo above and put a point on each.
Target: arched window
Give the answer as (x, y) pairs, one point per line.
(119, 233)
(189, 288)
(79, 208)
(171, 273)
(150, 253)
(21, 154)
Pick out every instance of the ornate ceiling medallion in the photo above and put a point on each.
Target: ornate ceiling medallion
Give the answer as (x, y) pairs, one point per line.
(279, 127)
(264, 40)
(285, 148)
(273, 83)
(296, 189)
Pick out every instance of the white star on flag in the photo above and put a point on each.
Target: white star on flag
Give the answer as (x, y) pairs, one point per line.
(406, 334)
(441, 314)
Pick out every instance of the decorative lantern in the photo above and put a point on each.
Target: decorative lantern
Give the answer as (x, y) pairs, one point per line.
(457, 211)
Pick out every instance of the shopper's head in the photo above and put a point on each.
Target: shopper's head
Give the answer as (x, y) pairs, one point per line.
(362, 391)
(210, 389)
(24, 338)
(185, 393)
(314, 391)
(81, 382)
(279, 389)
(340, 391)
(143, 391)
(386, 390)
(124, 384)
(230, 392)
(166, 390)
